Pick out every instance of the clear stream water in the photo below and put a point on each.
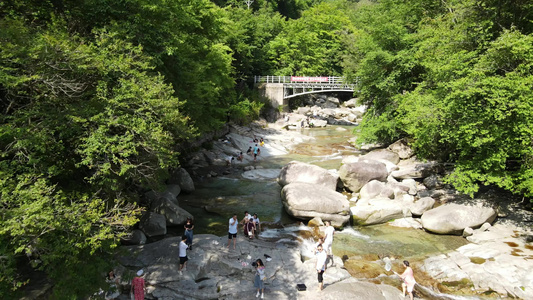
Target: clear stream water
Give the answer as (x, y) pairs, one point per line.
(216, 199)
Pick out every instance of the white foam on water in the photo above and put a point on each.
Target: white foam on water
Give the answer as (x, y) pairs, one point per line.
(353, 232)
(290, 231)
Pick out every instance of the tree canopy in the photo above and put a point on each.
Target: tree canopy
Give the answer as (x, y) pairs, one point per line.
(455, 79)
(96, 96)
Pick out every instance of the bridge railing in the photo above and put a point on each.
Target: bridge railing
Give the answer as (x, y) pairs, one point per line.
(335, 80)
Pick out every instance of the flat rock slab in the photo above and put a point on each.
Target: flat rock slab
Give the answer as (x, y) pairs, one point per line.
(497, 260)
(216, 272)
(261, 174)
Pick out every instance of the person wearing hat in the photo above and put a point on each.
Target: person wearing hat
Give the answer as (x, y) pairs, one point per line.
(137, 286)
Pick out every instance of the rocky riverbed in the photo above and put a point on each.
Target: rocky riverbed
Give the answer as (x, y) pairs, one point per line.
(493, 264)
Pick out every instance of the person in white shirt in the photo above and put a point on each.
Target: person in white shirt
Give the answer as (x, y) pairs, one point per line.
(257, 223)
(183, 252)
(232, 231)
(321, 258)
(328, 240)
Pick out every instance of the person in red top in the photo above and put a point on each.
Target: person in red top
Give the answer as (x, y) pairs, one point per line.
(137, 286)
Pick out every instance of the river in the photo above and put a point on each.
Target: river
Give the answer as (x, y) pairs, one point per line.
(217, 198)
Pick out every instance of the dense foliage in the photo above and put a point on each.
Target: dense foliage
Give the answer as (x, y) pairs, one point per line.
(97, 95)
(455, 78)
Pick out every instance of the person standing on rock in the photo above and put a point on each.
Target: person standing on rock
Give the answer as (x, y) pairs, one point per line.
(137, 286)
(256, 152)
(183, 253)
(328, 240)
(189, 226)
(259, 280)
(408, 279)
(232, 231)
(321, 258)
(257, 223)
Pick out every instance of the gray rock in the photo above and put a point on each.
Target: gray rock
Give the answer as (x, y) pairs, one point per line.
(136, 237)
(182, 178)
(170, 193)
(174, 214)
(261, 174)
(402, 148)
(356, 175)
(433, 181)
(422, 205)
(350, 103)
(296, 171)
(419, 170)
(153, 224)
(372, 189)
(306, 201)
(303, 110)
(376, 211)
(386, 154)
(485, 227)
(406, 223)
(468, 232)
(454, 218)
(411, 183)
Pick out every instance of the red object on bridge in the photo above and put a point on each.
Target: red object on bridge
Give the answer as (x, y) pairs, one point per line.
(308, 79)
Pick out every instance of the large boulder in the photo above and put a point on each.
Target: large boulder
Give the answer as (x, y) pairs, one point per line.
(350, 103)
(372, 189)
(170, 193)
(182, 178)
(416, 170)
(434, 181)
(386, 154)
(153, 224)
(355, 175)
(308, 200)
(422, 205)
(296, 171)
(402, 148)
(454, 218)
(376, 211)
(135, 237)
(174, 214)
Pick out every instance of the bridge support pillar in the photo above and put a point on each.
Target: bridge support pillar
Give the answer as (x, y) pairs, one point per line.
(275, 93)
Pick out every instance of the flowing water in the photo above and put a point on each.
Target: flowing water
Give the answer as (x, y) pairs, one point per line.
(362, 248)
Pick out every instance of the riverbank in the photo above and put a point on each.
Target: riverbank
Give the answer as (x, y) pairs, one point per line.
(478, 272)
(216, 272)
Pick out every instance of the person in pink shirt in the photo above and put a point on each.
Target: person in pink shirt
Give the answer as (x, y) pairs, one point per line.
(408, 279)
(137, 286)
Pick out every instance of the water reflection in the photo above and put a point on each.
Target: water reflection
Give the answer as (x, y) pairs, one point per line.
(216, 199)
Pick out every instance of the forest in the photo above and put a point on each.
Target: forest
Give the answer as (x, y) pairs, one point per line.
(97, 95)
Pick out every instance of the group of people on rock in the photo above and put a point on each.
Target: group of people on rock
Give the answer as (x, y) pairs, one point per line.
(323, 252)
(250, 223)
(255, 151)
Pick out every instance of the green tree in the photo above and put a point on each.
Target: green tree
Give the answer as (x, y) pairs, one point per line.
(84, 126)
(311, 45)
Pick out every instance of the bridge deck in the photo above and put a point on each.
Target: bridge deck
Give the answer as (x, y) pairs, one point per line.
(300, 85)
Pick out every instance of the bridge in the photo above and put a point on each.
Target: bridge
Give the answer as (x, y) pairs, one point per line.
(281, 88)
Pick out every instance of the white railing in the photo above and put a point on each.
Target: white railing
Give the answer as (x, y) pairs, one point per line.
(300, 79)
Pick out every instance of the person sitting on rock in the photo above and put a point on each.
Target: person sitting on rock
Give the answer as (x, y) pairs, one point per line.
(249, 151)
(249, 228)
(229, 160)
(244, 220)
